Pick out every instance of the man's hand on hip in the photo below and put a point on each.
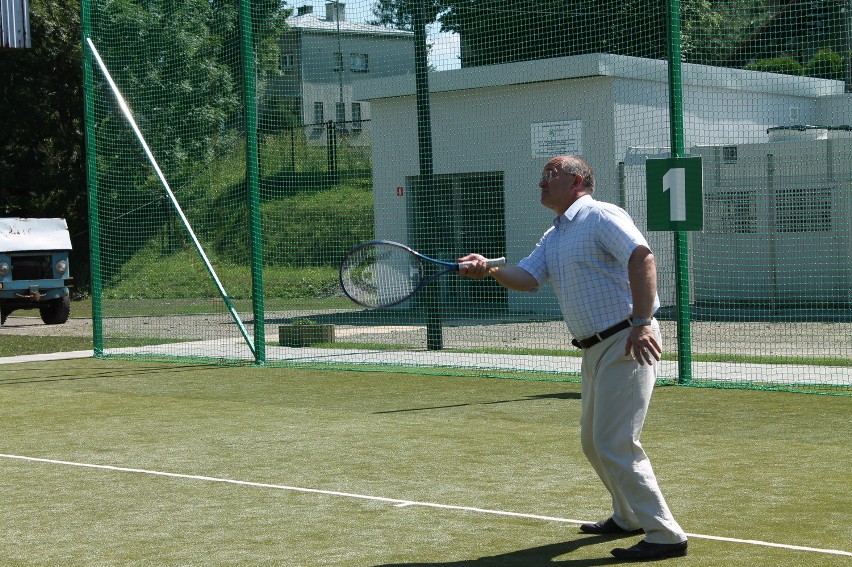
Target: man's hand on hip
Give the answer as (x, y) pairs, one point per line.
(643, 345)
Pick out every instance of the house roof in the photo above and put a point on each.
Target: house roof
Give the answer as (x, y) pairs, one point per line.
(312, 23)
(596, 65)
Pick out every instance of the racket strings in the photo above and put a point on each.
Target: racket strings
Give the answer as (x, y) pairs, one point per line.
(377, 275)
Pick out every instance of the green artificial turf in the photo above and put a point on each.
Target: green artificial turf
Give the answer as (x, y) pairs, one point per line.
(749, 465)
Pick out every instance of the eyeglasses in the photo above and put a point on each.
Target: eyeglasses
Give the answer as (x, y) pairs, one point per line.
(548, 175)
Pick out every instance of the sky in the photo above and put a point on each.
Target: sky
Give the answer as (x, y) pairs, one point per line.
(444, 54)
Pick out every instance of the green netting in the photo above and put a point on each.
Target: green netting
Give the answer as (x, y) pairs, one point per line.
(288, 133)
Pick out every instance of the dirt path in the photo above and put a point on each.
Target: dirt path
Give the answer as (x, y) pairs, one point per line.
(795, 339)
(32, 325)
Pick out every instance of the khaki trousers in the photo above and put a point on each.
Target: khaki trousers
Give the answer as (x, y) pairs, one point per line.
(616, 394)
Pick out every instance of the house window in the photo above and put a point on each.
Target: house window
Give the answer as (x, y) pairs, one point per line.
(337, 61)
(358, 62)
(356, 117)
(288, 61)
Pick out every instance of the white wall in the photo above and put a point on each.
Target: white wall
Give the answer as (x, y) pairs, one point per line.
(387, 56)
(481, 119)
(490, 130)
(395, 146)
(834, 110)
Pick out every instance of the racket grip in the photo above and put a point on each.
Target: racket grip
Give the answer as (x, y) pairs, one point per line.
(494, 263)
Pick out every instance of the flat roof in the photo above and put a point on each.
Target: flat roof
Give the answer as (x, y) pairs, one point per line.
(596, 65)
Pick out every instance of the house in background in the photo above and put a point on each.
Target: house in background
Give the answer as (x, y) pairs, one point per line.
(321, 58)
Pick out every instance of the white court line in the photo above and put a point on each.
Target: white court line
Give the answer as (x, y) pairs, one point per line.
(50, 356)
(395, 501)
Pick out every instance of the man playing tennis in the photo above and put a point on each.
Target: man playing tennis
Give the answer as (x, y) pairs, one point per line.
(605, 278)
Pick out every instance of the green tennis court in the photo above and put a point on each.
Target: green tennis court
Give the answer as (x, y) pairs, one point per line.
(112, 463)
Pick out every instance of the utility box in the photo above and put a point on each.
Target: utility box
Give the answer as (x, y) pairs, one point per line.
(34, 268)
(777, 221)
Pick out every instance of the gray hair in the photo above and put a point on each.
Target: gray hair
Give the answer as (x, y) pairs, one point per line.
(575, 165)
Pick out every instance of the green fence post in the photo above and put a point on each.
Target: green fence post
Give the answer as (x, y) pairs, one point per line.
(92, 182)
(253, 179)
(333, 176)
(684, 344)
(432, 293)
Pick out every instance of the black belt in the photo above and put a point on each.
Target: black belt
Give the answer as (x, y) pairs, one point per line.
(589, 342)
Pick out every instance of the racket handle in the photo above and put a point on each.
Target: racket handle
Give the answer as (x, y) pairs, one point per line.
(494, 263)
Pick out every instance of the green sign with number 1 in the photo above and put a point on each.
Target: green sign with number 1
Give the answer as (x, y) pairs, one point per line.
(674, 194)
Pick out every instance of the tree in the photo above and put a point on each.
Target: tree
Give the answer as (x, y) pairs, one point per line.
(398, 13)
(179, 69)
(41, 113)
(826, 64)
(712, 28)
(179, 65)
(781, 65)
(517, 30)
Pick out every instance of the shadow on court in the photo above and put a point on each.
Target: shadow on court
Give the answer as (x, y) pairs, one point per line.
(8, 375)
(562, 396)
(541, 556)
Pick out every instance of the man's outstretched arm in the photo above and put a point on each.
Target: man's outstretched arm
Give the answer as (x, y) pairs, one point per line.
(509, 276)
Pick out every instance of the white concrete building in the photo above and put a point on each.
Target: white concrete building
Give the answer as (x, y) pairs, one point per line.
(494, 127)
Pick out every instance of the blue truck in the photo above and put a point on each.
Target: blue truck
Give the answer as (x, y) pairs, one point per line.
(34, 268)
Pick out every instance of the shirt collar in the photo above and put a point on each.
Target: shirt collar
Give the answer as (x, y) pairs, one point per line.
(573, 210)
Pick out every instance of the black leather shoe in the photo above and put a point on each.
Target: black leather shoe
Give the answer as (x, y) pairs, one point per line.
(608, 526)
(644, 551)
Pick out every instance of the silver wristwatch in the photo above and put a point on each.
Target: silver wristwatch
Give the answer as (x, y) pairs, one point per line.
(639, 322)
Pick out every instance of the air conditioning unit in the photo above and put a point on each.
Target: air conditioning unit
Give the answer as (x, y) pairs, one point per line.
(777, 220)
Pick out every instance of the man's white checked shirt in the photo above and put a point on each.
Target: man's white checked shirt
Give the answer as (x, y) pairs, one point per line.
(585, 255)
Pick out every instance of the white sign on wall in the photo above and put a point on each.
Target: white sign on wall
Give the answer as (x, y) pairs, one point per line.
(557, 138)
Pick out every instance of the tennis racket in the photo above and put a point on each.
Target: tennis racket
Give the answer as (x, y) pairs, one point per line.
(381, 273)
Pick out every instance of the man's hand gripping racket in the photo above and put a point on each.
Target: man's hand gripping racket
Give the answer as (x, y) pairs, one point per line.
(381, 273)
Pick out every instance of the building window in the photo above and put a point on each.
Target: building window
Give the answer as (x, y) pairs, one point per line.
(337, 61)
(288, 61)
(356, 117)
(358, 62)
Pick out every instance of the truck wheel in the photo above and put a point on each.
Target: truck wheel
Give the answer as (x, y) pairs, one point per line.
(56, 312)
(3, 314)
